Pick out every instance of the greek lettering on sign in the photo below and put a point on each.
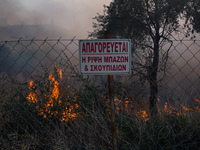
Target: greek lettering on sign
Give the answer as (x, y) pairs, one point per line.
(104, 56)
(104, 47)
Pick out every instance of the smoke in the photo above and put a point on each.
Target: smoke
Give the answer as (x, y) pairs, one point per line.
(66, 19)
(72, 17)
(16, 13)
(39, 19)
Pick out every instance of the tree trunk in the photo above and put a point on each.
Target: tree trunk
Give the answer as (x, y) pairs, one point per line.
(153, 70)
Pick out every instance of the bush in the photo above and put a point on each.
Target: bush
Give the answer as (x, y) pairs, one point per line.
(171, 132)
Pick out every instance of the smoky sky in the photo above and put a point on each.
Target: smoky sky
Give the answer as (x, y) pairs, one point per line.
(73, 17)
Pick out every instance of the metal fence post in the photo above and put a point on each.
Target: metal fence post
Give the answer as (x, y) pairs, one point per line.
(112, 104)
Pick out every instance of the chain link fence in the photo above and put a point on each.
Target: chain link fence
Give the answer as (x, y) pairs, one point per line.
(46, 104)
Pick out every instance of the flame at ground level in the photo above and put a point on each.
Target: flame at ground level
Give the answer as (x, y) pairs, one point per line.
(32, 96)
(128, 107)
(52, 103)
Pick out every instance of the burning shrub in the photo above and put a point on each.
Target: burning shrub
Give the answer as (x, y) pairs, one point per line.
(49, 102)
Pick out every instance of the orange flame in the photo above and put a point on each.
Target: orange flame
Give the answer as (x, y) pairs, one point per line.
(126, 106)
(32, 96)
(143, 115)
(179, 110)
(59, 71)
(55, 90)
(66, 114)
(197, 100)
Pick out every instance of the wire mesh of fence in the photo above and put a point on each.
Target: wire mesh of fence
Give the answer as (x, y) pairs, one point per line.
(46, 104)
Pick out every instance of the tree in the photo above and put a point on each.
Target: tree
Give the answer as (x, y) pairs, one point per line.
(192, 15)
(149, 23)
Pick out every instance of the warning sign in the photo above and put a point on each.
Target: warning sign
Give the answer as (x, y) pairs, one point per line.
(107, 56)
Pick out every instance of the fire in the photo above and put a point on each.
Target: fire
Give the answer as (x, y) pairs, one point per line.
(53, 102)
(127, 106)
(197, 107)
(179, 110)
(69, 114)
(32, 96)
(167, 109)
(55, 90)
(197, 100)
(50, 103)
(143, 115)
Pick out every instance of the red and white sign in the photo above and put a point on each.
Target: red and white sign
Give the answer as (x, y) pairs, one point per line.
(106, 56)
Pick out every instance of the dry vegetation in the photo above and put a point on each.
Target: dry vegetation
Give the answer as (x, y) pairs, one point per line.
(48, 113)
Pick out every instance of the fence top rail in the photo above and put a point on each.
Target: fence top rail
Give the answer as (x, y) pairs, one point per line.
(73, 39)
(46, 39)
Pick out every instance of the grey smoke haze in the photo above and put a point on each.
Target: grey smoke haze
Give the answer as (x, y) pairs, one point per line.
(29, 19)
(73, 17)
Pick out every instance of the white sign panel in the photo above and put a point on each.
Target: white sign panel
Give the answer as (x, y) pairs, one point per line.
(106, 56)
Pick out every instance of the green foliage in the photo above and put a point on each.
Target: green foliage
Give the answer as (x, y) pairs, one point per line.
(137, 19)
(149, 24)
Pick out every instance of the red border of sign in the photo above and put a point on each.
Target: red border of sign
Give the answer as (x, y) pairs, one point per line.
(93, 54)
